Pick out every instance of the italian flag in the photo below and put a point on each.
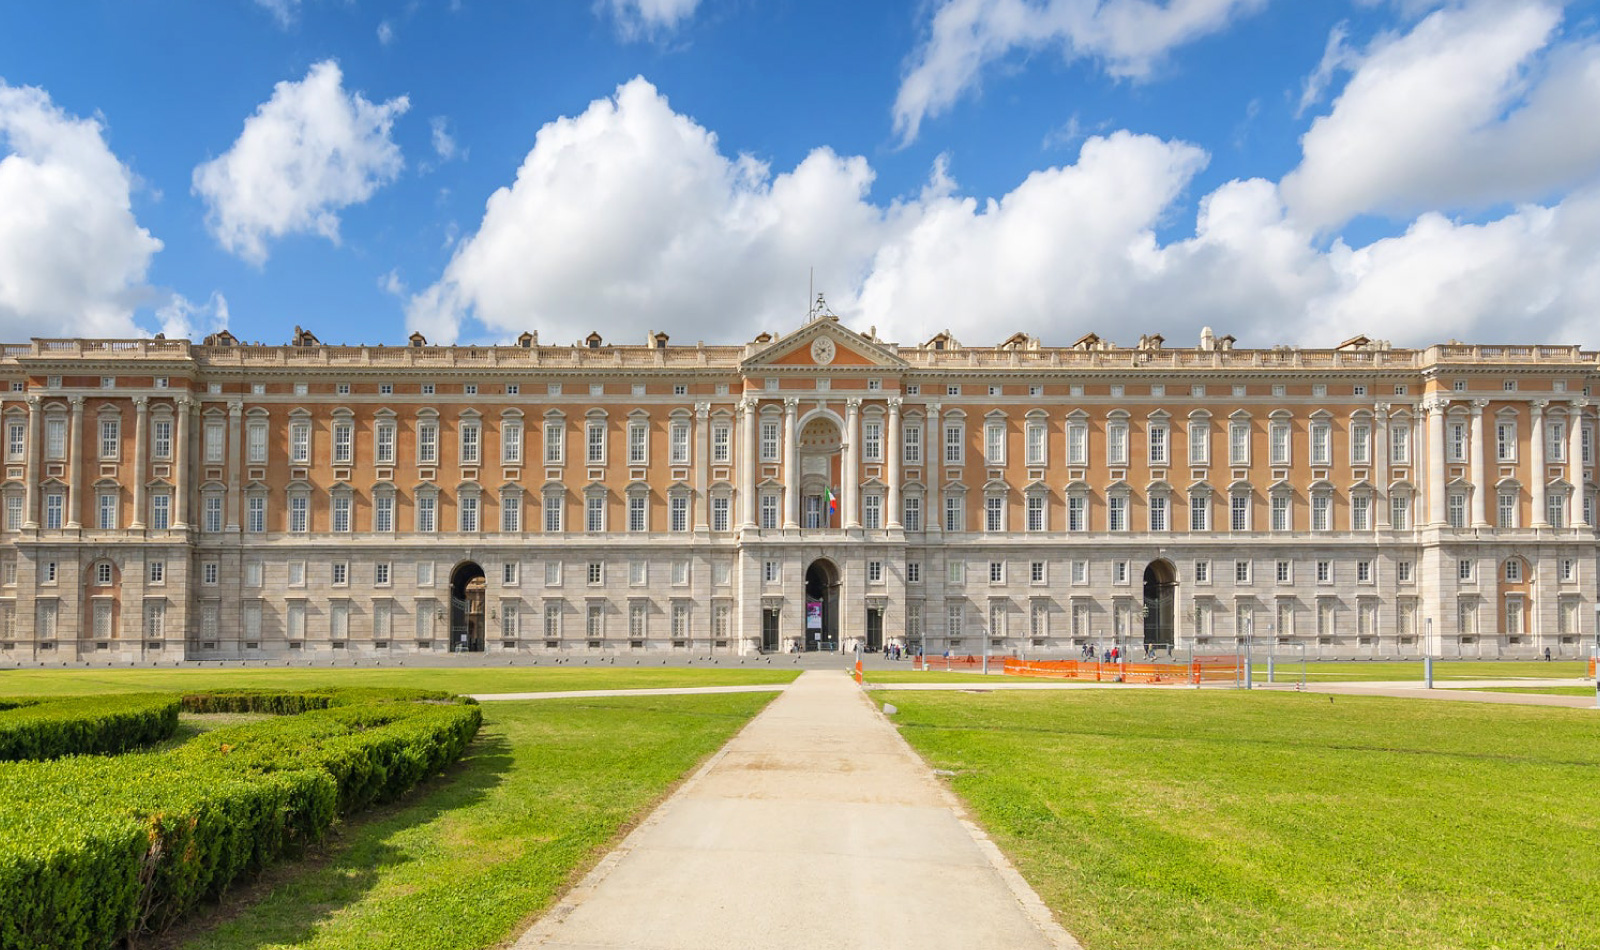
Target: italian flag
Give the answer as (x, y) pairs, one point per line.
(833, 502)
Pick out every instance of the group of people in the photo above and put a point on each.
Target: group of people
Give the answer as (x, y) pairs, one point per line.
(1115, 654)
(891, 651)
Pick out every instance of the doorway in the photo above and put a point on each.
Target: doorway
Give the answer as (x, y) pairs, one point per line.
(822, 605)
(874, 630)
(468, 590)
(769, 630)
(1160, 596)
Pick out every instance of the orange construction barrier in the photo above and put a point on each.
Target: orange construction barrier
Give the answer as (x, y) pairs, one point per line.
(857, 674)
(1591, 667)
(1209, 669)
(949, 663)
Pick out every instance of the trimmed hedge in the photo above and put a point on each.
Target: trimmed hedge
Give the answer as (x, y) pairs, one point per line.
(84, 725)
(97, 850)
(284, 702)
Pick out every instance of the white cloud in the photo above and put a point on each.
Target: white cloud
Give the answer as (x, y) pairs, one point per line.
(385, 33)
(183, 319)
(629, 218)
(1337, 56)
(1127, 36)
(284, 11)
(444, 144)
(72, 257)
(1477, 105)
(644, 19)
(309, 151)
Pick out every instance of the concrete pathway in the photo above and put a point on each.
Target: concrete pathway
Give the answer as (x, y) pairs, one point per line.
(815, 827)
(652, 691)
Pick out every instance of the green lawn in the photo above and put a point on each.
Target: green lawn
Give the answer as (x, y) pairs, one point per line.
(1328, 671)
(471, 858)
(1222, 819)
(1548, 690)
(513, 679)
(920, 676)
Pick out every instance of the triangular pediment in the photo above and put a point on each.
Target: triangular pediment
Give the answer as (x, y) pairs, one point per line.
(844, 349)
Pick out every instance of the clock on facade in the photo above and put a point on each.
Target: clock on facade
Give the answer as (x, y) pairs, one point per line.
(822, 350)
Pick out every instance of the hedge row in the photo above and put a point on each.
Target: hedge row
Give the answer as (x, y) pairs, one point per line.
(293, 702)
(84, 725)
(98, 850)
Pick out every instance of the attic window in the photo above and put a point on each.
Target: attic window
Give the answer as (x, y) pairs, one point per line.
(938, 344)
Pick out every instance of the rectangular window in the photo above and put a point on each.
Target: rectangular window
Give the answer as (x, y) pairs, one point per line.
(1506, 509)
(1280, 512)
(1199, 443)
(1321, 447)
(638, 443)
(911, 519)
(54, 504)
(55, 438)
(954, 444)
(769, 510)
(954, 515)
(1363, 572)
(427, 513)
(721, 442)
(1239, 513)
(911, 437)
(343, 443)
(471, 434)
(596, 573)
(1400, 441)
(511, 442)
(1158, 445)
(678, 513)
(300, 443)
(211, 515)
(155, 619)
(872, 441)
(1278, 434)
(511, 513)
(637, 505)
(1077, 513)
(554, 443)
(720, 508)
(678, 443)
(1321, 512)
(1036, 511)
(913, 572)
(769, 441)
(161, 440)
(1158, 512)
(107, 520)
(1505, 437)
(552, 513)
(595, 442)
(1555, 436)
(872, 511)
(1241, 572)
(1324, 572)
(427, 443)
(1455, 442)
(256, 443)
(111, 440)
(1199, 512)
(1202, 572)
(1035, 448)
(1117, 443)
(256, 514)
(994, 443)
(1117, 513)
(1464, 569)
(1077, 444)
(1456, 510)
(1400, 512)
(161, 511)
(1283, 572)
(1360, 512)
(16, 440)
(594, 514)
(341, 513)
(383, 443)
(299, 514)
(1360, 443)
(994, 514)
(1239, 443)
(953, 617)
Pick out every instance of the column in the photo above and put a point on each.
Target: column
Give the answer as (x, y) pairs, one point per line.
(235, 461)
(30, 514)
(791, 464)
(75, 448)
(892, 453)
(141, 459)
(1380, 466)
(1536, 463)
(1575, 468)
(1436, 491)
(747, 462)
(1480, 483)
(933, 515)
(180, 463)
(852, 463)
(702, 457)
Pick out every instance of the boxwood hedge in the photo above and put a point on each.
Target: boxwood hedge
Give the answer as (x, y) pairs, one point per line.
(84, 725)
(96, 850)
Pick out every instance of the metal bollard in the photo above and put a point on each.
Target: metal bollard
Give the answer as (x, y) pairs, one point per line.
(1427, 671)
(1249, 675)
(1272, 669)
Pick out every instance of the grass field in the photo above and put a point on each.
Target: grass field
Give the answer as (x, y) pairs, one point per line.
(919, 676)
(517, 679)
(1223, 819)
(1368, 670)
(468, 859)
(1547, 690)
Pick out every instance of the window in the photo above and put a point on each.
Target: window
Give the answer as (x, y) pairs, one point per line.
(994, 513)
(872, 441)
(595, 442)
(872, 511)
(1077, 443)
(1280, 512)
(1324, 572)
(427, 389)
(1199, 443)
(1401, 389)
(1283, 572)
(54, 504)
(155, 619)
(1400, 512)
(994, 443)
(1555, 431)
(1158, 444)
(1400, 441)
(55, 438)
(554, 442)
(1278, 434)
(300, 443)
(1117, 443)
(911, 518)
(381, 573)
(594, 514)
(1567, 569)
(1036, 511)
(1360, 443)
(211, 515)
(1241, 572)
(1506, 509)
(511, 513)
(157, 572)
(1077, 513)
(343, 443)
(769, 510)
(341, 513)
(1363, 571)
(720, 510)
(874, 572)
(954, 443)
(1403, 571)
(913, 572)
(1456, 509)
(1321, 512)
(911, 439)
(16, 440)
(1455, 441)
(1555, 506)
(255, 442)
(111, 442)
(1158, 512)
(471, 443)
(552, 573)
(256, 514)
(161, 511)
(299, 514)
(511, 442)
(508, 573)
(955, 572)
(954, 513)
(596, 573)
(1202, 572)
(769, 440)
(1321, 448)
(639, 573)
(427, 513)
(107, 520)
(1360, 512)
(638, 443)
(637, 511)
(1509, 385)
(953, 618)
(1199, 512)
(1117, 513)
(1505, 440)
(1036, 572)
(721, 442)
(678, 443)
(1464, 569)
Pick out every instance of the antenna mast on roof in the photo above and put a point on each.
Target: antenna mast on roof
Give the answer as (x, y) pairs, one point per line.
(811, 286)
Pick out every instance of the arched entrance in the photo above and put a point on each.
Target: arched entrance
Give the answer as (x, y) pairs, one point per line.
(468, 589)
(1160, 598)
(820, 445)
(822, 605)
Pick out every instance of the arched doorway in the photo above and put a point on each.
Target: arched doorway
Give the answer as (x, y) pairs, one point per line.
(468, 589)
(820, 447)
(1160, 598)
(822, 605)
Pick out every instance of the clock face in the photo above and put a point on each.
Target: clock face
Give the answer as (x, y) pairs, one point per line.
(822, 350)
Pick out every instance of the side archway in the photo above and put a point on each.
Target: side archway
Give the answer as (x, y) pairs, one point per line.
(1160, 600)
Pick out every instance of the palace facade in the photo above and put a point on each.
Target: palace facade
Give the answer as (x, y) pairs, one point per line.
(170, 501)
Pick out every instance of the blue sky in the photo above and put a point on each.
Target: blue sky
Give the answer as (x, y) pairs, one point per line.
(1286, 171)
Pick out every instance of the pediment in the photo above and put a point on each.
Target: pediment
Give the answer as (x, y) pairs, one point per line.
(845, 349)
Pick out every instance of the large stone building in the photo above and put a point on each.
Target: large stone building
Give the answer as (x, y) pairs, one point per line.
(167, 501)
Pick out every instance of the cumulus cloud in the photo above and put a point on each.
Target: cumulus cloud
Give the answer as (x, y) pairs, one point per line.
(72, 257)
(1477, 105)
(284, 11)
(444, 144)
(1127, 36)
(182, 319)
(307, 152)
(630, 218)
(644, 19)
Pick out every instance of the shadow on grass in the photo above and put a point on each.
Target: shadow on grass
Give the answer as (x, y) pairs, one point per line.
(289, 902)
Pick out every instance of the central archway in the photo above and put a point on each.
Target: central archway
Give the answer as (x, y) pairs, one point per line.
(1160, 597)
(822, 605)
(468, 589)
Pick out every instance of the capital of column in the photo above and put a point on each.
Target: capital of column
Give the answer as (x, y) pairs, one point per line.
(934, 408)
(852, 405)
(1478, 405)
(1579, 402)
(77, 403)
(235, 408)
(747, 404)
(141, 404)
(1538, 406)
(791, 405)
(34, 401)
(183, 402)
(702, 411)
(895, 402)
(1434, 405)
